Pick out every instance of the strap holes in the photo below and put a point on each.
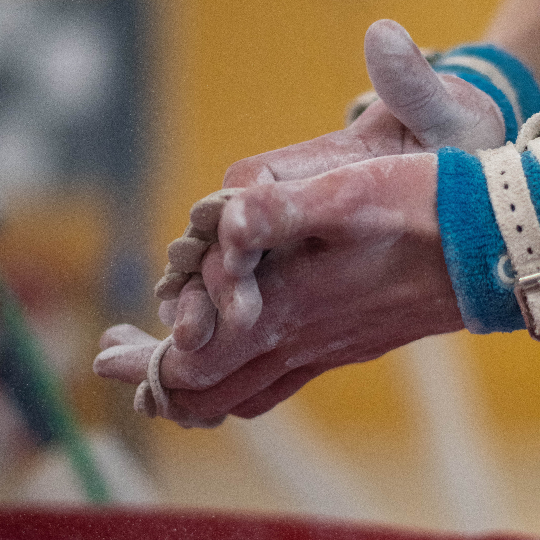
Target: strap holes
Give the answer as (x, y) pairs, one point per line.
(503, 172)
(512, 207)
(506, 186)
(519, 228)
(529, 251)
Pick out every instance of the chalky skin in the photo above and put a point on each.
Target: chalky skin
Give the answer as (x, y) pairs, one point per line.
(353, 263)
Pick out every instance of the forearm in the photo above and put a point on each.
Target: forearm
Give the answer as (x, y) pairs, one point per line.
(516, 29)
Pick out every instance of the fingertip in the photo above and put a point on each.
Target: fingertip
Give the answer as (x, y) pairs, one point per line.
(195, 316)
(246, 305)
(246, 223)
(388, 31)
(192, 333)
(170, 285)
(389, 50)
(205, 214)
(104, 358)
(167, 312)
(186, 253)
(127, 363)
(121, 334)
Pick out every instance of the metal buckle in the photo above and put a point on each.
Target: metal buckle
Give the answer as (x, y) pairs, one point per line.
(524, 285)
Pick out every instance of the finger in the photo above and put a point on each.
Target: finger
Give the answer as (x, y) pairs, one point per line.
(127, 363)
(412, 90)
(167, 312)
(125, 334)
(170, 285)
(258, 384)
(191, 231)
(205, 213)
(298, 161)
(238, 299)
(195, 317)
(144, 403)
(351, 201)
(304, 366)
(185, 254)
(196, 370)
(251, 379)
(277, 392)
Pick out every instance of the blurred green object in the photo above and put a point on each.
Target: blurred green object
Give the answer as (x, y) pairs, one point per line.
(37, 392)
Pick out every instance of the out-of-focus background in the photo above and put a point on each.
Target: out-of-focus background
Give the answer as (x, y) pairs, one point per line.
(115, 117)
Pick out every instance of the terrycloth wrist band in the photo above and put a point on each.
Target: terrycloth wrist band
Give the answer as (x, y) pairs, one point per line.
(488, 209)
(504, 78)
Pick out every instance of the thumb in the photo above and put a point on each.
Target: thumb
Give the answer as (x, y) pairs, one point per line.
(411, 89)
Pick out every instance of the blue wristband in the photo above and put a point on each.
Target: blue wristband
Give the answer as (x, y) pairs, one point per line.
(474, 249)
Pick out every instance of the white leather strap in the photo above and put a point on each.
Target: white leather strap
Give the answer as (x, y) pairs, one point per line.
(517, 220)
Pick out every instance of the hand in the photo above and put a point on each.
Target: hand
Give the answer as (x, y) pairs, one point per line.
(418, 111)
(355, 269)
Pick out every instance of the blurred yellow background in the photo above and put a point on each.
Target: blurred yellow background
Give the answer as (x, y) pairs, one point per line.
(443, 434)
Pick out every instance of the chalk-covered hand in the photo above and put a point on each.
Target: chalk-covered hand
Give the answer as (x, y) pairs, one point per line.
(340, 263)
(354, 269)
(419, 111)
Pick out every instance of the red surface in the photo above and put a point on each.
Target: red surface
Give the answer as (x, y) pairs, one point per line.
(26, 524)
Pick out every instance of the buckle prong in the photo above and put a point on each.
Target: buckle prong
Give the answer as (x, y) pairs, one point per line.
(524, 285)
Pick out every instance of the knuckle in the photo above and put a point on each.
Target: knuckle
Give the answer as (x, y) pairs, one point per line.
(420, 100)
(248, 172)
(249, 216)
(238, 174)
(110, 336)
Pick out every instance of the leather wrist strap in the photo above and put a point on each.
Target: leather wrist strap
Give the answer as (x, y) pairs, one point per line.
(516, 217)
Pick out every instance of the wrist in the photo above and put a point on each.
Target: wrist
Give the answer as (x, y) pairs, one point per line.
(482, 259)
(473, 246)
